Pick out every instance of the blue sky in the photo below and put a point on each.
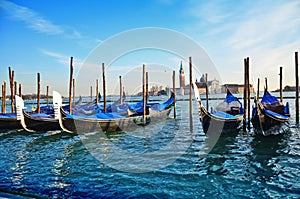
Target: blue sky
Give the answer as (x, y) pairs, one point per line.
(40, 36)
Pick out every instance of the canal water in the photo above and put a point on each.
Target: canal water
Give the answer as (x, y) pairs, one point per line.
(166, 160)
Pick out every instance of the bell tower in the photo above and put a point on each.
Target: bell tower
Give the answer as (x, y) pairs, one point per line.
(181, 76)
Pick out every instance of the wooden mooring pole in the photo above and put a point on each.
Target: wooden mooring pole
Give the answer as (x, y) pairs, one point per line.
(104, 86)
(91, 93)
(280, 84)
(15, 88)
(257, 94)
(11, 83)
(174, 90)
(73, 81)
(4, 97)
(266, 83)
(20, 90)
(190, 93)
(147, 92)
(144, 93)
(248, 90)
(206, 91)
(2, 104)
(121, 91)
(47, 95)
(4, 94)
(97, 91)
(38, 93)
(245, 95)
(70, 85)
(297, 88)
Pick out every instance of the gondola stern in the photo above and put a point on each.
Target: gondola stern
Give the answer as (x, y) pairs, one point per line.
(57, 104)
(20, 113)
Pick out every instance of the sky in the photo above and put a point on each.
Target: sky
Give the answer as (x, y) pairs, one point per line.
(41, 36)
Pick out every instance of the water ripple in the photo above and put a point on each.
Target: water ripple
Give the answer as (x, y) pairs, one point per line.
(56, 164)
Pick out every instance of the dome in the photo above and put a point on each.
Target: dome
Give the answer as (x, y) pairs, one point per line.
(202, 79)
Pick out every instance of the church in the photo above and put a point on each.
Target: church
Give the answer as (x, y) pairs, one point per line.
(213, 85)
(183, 88)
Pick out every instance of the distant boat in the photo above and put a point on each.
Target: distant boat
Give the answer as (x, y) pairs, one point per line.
(114, 121)
(269, 116)
(49, 109)
(227, 117)
(75, 105)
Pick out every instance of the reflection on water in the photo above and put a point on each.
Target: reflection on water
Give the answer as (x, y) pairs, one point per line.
(265, 151)
(18, 167)
(240, 165)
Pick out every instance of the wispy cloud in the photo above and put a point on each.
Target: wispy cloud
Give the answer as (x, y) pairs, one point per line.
(210, 12)
(247, 24)
(273, 26)
(60, 58)
(267, 32)
(64, 60)
(35, 21)
(80, 65)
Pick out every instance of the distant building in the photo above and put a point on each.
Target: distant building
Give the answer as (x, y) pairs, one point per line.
(289, 88)
(213, 85)
(183, 89)
(181, 76)
(236, 88)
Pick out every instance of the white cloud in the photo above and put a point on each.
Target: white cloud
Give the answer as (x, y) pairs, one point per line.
(266, 27)
(64, 60)
(35, 21)
(267, 32)
(269, 37)
(210, 12)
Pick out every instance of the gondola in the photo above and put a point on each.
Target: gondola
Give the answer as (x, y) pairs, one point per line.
(227, 117)
(137, 109)
(113, 121)
(9, 121)
(40, 122)
(37, 121)
(46, 121)
(86, 108)
(49, 109)
(269, 116)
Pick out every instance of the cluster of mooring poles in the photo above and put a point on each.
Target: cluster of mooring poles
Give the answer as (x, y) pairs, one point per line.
(246, 116)
(144, 86)
(247, 95)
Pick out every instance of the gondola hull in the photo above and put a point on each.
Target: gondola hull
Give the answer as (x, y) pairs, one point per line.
(211, 123)
(10, 124)
(226, 118)
(40, 123)
(267, 124)
(82, 125)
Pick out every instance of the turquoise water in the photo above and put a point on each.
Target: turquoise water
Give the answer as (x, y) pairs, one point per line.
(242, 165)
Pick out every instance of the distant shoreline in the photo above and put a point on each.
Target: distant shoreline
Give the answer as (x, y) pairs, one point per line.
(27, 97)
